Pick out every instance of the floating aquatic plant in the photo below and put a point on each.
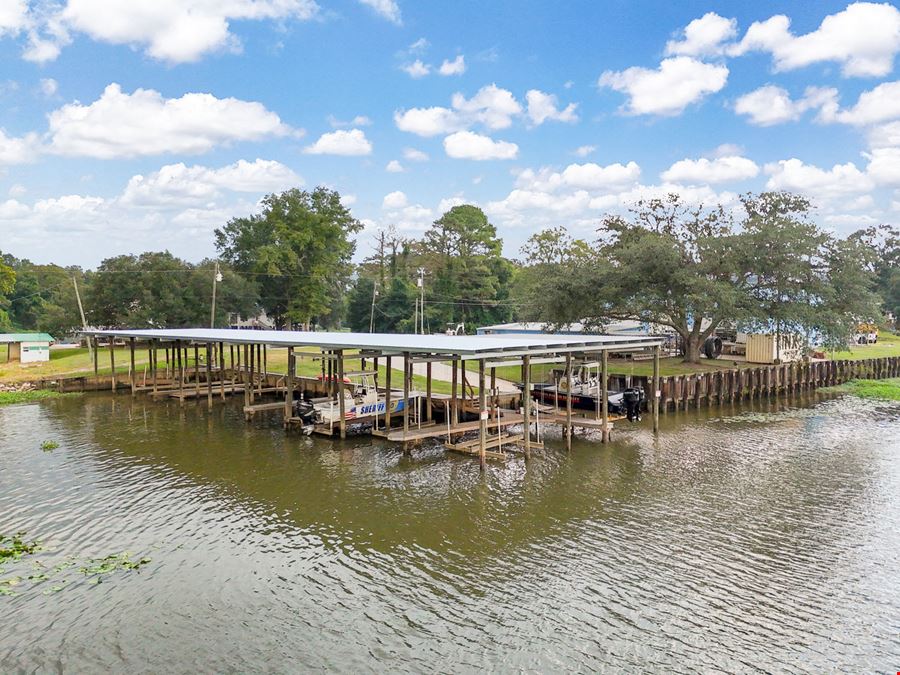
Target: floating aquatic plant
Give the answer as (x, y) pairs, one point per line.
(15, 546)
(49, 446)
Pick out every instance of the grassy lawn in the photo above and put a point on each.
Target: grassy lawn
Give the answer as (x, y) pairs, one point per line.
(885, 390)
(888, 345)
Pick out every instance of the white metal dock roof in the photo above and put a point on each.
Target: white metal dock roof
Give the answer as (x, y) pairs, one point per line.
(481, 346)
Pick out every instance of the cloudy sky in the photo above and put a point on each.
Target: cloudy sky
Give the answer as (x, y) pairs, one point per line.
(130, 125)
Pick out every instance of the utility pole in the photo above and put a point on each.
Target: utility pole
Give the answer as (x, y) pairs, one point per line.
(83, 320)
(372, 311)
(421, 284)
(217, 277)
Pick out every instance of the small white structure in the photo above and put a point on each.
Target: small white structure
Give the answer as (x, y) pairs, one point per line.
(27, 347)
(766, 348)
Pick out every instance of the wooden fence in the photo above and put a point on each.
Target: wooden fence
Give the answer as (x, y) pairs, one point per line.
(678, 392)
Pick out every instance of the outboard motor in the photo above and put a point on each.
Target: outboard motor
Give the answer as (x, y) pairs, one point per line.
(632, 398)
(305, 411)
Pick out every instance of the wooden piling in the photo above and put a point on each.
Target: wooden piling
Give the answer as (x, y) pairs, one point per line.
(387, 393)
(655, 392)
(222, 369)
(340, 394)
(454, 402)
(568, 400)
(289, 388)
(482, 416)
(112, 363)
(428, 411)
(131, 361)
(526, 403)
(406, 367)
(209, 386)
(604, 396)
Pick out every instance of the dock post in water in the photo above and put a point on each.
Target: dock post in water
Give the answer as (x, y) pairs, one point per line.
(153, 364)
(568, 400)
(387, 393)
(428, 411)
(289, 388)
(526, 402)
(482, 416)
(112, 362)
(131, 361)
(406, 367)
(209, 388)
(340, 393)
(655, 391)
(604, 395)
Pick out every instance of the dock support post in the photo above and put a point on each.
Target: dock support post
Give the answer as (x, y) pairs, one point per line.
(656, 389)
(231, 363)
(482, 416)
(494, 400)
(96, 356)
(526, 402)
(131, 361)
(387, 393)
(197, 370)
(289, 389)
(222, 369)
(340, 393)
(428, 392)
(569, 401)
(182, 365)
(406, 367)
(244, 377)
(454, 403)
(209, 354)
(250, 361)
(604, 395)
(112, 362)
(153, 365)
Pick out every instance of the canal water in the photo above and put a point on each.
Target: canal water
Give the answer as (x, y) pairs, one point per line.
(742, 539)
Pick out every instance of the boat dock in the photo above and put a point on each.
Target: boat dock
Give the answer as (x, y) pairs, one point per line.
(236, 363)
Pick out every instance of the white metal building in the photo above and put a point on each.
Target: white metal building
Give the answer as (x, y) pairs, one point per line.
(26, 347)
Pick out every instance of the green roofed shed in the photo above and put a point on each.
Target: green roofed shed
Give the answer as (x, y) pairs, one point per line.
(27, 347)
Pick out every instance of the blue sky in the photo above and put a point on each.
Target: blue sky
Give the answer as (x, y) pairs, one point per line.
(130, 126)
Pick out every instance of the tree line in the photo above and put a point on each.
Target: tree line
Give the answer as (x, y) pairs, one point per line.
(764, 266)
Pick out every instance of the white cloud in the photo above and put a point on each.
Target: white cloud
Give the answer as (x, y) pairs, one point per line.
(863, 38)
(469, 145)
(455, 67)
(884, 166)
(449, 202)
(13, 16)
(718, 170)
(668, 90)
(394, 167)
(543, 107)
(877, 105)
(416, 69)
(584, 150)
(388, 9)
(770, 105)
(13, 150)
(588, 176)
(176, 32)
(414, 155)
(885, 136)
(358, 121)
(49, 86)
(341, 142)
(394, 200)
(419, 46)
(17, 190)
(144, 123)
(705, 36)
(796, 176)
(177, 184)
(427, 121)
(491, 106)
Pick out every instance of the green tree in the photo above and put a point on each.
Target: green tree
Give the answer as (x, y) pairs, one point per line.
(692, 269)
(7, 283)
(298, 250)
(468, 280)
